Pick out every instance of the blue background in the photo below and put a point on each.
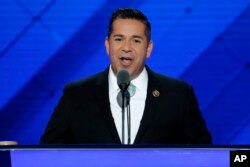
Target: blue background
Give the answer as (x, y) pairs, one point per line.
(45, 44)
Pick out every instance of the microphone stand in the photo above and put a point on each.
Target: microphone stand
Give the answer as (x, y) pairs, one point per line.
(123, 116)
(128, 117)
(126, 102)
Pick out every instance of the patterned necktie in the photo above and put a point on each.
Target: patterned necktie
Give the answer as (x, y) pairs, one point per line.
(131, 89)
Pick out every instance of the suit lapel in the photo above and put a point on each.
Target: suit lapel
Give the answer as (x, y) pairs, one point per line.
(151, 106)
(103, 99)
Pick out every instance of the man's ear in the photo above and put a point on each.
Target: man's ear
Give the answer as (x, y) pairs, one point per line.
(149, 48)
(107, 45)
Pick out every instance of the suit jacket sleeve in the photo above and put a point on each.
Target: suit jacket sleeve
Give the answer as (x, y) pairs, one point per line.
(57, 130)
(194, 125)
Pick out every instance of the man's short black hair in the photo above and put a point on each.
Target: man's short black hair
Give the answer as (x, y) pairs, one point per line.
(129, 13)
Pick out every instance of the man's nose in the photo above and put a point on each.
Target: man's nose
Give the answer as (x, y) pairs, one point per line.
(127, 46)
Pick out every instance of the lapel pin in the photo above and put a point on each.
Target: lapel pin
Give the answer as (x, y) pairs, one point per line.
(156, 93)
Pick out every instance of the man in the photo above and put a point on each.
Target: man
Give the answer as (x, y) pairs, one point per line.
(163, 110)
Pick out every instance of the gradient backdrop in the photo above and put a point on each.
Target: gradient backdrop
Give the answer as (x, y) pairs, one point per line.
(45, 44)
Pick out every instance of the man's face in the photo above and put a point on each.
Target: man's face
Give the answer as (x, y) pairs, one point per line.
(128, 46)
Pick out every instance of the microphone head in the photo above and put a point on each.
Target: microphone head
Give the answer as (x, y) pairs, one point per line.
(123, 79)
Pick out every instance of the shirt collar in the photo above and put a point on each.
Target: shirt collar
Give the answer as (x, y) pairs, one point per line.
(140, 82)
(113, 86)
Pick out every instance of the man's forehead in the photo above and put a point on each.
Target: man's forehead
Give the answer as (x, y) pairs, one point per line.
(128, 21)
(128, 26)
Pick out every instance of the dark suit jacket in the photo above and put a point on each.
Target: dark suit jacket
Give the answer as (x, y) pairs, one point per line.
(83, 114)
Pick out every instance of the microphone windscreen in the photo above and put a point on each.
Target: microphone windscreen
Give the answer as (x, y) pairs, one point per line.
(123, 79)
(126, 100)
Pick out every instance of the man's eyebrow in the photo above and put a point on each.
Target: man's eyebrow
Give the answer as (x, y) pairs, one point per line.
(137, 36)
(133, 36)
(118, 35)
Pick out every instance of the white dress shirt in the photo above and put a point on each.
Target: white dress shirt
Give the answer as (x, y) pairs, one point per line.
(137, 103)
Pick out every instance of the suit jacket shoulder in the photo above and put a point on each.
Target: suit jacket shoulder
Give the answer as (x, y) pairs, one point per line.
(166, 83)
(89, 82)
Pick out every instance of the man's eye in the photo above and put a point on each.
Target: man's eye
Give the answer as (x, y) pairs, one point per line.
(118, 39)
(137, 41)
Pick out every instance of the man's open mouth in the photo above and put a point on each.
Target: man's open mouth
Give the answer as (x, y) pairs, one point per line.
(126, 61)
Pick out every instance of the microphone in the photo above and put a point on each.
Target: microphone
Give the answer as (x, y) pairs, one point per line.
(123, 79)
